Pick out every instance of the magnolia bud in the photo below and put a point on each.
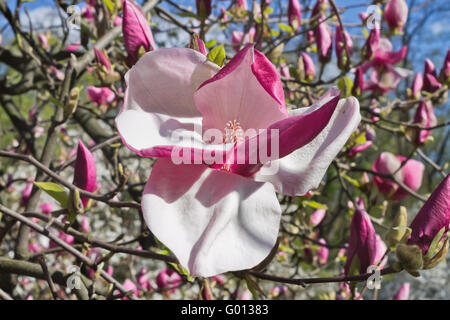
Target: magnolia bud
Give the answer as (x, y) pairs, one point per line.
(398, 228)
(410, 257)
(72, 102)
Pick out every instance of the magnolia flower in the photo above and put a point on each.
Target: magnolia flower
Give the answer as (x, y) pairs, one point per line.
(434, 215)
(88, 13)
(403, 292)
(100, 96)
(384, 80)
(224, 215)
(238, 39)
(317, 217)
(410, 175)
(85, 174)
(294, 14)
(430, 82)
(136, 31)
(322, 253)
(241, 5)
(426, 118)
(384, 55)
(365, 247)
(416, 86)
(342, 40)
(395, 14)
(323, 40)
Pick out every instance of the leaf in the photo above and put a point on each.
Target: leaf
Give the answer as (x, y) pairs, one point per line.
(55, 191)
(345, 84)
(217, 55)
(187, 14)
(435, 244)
(314, 204)
(285, 27)
(110, 5)
(351, 180)
(183, 271)
(56, 102)
(210, 44)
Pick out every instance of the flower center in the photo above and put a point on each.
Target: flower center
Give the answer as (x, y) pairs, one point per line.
(233, 132)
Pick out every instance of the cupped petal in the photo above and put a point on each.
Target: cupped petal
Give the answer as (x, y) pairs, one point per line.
(412, 177)
(248, 85)
(158, 111)
(283, 137)
(303, 169)
(213, 221)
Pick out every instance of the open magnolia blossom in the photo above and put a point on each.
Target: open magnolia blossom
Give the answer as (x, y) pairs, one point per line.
(224, 216)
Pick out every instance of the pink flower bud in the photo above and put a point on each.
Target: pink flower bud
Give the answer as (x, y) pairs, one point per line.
(278, 291)
(323, 41)
(46, 207)
(444, 75)
(320, 8)
(203, 8)
(102, 58)
(26, 192)
(168, 279)
(88, 12)
(246, 295)
(317, 217)
(434, 215)
(395, 14)
(341, 40)
(117, 21)
(294, 14)
(241, 5)
(358, 83)
(371, 44)
(34, 247)
(100, 96)
(410, 175)
(201, 46)
(219, 279)
(238, 39)
(430, 82)
(359, 148)
(323, 252)
(370, 133)
(85, 173)
(143, 280)
(426, 118)
(43, 40)
(85, 224)
(416, 86)
(136, 31)
(364, 243)
(73, 47)
(403, 292)
(310, 68)
(130, 286)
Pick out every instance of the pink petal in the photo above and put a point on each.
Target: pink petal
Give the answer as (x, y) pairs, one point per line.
(151, 112)
(403, 292)
(85, 174)
(302, 170)
(249, 84)
(213, 221)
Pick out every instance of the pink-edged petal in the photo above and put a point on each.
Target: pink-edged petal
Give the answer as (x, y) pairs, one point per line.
(158, 111)
(412, 173)
(213, 221)
(303, 169)
(289, 134)
(248, 85)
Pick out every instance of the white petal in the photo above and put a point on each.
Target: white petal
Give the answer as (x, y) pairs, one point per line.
(213, 221)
